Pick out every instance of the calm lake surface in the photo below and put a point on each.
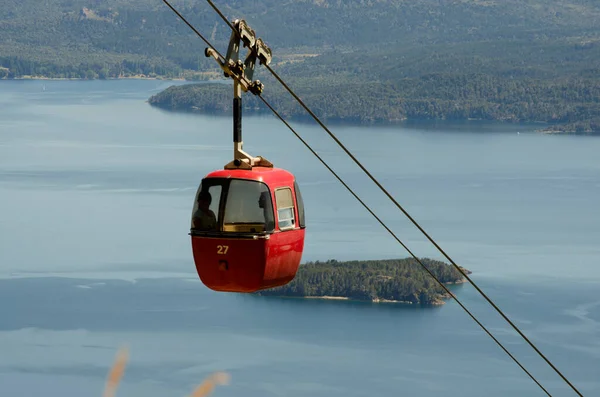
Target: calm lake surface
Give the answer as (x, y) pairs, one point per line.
(96, 189)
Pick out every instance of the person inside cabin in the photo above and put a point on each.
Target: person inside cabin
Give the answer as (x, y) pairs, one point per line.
(264, 202)
(204, 218)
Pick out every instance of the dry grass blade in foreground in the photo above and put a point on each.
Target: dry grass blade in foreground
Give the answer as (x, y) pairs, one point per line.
(218, 378)
(116, 373)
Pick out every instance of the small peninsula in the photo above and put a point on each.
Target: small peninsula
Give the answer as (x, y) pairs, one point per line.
(565, 105)
(389, 280)
(582, 127)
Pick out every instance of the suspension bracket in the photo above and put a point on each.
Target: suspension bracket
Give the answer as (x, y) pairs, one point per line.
(242, 74)
(233, 67)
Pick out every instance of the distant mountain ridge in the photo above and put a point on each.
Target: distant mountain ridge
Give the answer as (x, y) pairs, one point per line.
(396, 57)
(110, 30)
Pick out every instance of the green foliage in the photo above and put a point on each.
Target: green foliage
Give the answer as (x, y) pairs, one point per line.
(579, 127)
(94, 67)
(359, 29)
(385, 60)
(435, 96)
(401, 280)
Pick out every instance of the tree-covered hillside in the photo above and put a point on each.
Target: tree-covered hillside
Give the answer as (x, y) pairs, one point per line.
(103, 33)
(431, 97)
(384, 59)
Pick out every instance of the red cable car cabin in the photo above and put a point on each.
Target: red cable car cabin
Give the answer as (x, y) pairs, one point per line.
(248, 219)
(247, 229)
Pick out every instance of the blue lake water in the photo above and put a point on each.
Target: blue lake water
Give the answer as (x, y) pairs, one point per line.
(96, 189)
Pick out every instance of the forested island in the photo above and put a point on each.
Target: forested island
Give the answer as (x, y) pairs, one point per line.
(356, 62)
(390, 280)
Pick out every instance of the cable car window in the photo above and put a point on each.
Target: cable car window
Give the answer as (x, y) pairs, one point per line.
(249, 207)
(285, 208)
(300, 203)
(206, 208)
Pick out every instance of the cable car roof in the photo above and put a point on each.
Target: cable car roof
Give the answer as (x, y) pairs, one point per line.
(269, 175)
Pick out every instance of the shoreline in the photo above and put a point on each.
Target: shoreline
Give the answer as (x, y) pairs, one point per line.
(191, 100)
(42, 78)
(208, 77)
(335, 121)
(437, 301)
(344, 122)
(568, 132)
